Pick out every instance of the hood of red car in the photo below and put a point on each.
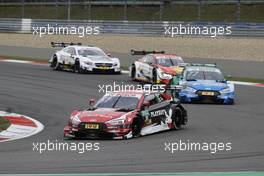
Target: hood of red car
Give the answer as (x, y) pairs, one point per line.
(100, 115)
(169, 70)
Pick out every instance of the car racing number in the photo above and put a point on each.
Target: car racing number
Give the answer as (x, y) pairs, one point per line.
(207, 93)
(92, 126)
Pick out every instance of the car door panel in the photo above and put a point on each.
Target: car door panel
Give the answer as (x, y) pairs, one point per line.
(158, 112)
(156, 120)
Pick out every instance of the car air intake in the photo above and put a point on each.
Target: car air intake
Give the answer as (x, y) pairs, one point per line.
(103, 65)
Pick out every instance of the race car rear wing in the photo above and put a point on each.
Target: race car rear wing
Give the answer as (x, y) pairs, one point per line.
(173, 90)
(63, 44)
(143, 52)
(174, 87)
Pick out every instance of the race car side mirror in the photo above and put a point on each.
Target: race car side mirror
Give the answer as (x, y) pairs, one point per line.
(91, 102)
(146, 104)
(109, 55)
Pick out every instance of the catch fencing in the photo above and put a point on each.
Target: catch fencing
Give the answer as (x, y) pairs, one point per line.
(145, 28)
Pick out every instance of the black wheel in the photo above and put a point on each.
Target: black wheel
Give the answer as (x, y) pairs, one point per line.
(133, 72)
(55, 64)
(136, 128)
(77, 67)
(232, 102)
(177, 118)
(154, 76)
(118, 73)
(67, 137)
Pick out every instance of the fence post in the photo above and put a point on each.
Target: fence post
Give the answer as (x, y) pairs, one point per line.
(23, 9)
(161, 10)
(125, 10)
(238, 10)
(56, 11)
(69, 10)
(199, 10)
(90, 10)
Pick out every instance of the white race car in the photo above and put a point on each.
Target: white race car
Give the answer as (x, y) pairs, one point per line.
(83, 59)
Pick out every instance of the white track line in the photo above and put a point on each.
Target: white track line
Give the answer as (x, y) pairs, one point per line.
(17, 61)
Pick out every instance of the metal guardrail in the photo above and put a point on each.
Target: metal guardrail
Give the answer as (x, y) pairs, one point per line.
(121, 2)
(80, 2)
(149, 28)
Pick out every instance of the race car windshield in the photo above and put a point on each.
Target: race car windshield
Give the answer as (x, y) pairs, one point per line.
(88, 52)
(168, 62)
(203, 75)
(118, 102)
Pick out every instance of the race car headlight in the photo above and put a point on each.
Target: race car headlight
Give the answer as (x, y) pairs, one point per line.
(76, 120)
(189, 89)
(118, 121)
(88, 63)
(226, 90)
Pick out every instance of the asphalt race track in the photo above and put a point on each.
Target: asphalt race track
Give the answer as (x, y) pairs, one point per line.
(49, 97)
(247, 69)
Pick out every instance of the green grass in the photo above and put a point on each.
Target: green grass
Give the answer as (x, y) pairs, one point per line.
(4, 124)
(221, 13)
(181, 13)
(252, 13)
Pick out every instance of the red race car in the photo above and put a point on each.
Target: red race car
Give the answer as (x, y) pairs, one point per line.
(123, 115)
(155, 67)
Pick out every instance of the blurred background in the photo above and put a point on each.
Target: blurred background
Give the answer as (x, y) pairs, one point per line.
(136, 10)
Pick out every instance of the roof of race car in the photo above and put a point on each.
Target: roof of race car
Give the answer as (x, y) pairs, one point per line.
(160, 56)
(202, 68)
(84, 47)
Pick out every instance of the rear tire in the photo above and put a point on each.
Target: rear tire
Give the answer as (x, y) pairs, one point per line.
(154, 76)
(55, 64)
(177, 118)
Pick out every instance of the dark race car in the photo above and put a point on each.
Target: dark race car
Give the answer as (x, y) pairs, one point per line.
(123, 115)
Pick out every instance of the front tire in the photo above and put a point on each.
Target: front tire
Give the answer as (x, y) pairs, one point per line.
(118, 73)
(77, 67)
(136, 129)
(133, 72)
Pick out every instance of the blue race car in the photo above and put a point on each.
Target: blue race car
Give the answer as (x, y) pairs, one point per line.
(205, 83)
